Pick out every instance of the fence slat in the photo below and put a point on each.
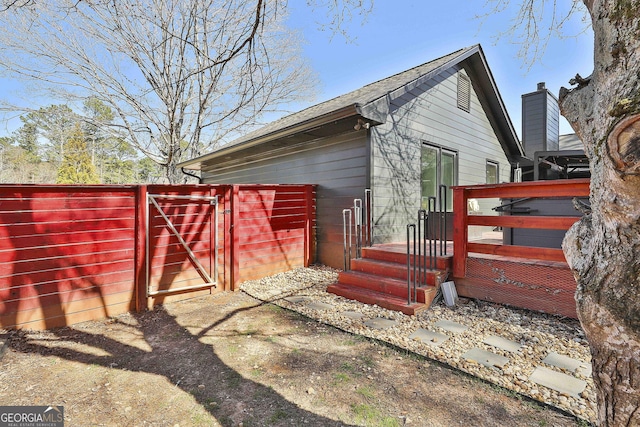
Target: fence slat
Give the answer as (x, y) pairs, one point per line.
(524, 221)
(528, 252)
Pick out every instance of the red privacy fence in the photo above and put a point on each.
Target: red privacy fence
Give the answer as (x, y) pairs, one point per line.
(75, 253)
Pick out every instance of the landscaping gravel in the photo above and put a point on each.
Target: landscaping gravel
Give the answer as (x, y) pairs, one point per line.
(304, 290)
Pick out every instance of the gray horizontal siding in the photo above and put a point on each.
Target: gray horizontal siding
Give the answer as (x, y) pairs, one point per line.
(338, 165)
(428, 114)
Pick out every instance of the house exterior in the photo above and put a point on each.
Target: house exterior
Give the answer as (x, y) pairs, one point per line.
(440, 123)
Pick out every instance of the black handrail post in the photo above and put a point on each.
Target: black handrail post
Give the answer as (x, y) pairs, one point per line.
(346, 224)
(443, 219)
(410, 226)
(422, 246)
(369, 216)
(425, 234)
(433, 243)
(357, 219)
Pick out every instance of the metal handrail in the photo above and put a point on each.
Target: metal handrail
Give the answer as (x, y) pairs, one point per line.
(443, 218)
(411, 278)
(423, 233)
(368, 214)
(347, 245)
(358, 221)
(427, 234)
(357, 217)
(433, 242)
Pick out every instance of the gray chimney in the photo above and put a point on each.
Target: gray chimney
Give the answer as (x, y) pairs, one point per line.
(540, 121)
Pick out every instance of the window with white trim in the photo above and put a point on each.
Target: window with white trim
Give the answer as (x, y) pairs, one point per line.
(493, 170)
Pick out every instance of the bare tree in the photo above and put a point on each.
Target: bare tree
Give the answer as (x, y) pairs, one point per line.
(180, 76)
(603, 249)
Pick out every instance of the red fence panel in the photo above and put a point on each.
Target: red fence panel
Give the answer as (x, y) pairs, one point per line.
(273, 227)
(66, 254)
(76, 253)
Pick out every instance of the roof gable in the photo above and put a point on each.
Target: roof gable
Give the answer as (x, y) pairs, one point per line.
(372, 101)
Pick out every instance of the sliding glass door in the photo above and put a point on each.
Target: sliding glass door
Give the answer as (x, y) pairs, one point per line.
(438, 167)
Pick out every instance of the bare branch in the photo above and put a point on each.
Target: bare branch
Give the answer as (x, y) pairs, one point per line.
(533, 23)
(180, 76)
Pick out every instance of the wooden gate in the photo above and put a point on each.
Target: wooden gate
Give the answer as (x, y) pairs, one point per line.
(182, 242)
(181, 228)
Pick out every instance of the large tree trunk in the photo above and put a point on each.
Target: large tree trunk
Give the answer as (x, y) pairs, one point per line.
(603, 249)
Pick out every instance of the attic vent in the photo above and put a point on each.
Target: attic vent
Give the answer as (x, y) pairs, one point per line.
(464, 92)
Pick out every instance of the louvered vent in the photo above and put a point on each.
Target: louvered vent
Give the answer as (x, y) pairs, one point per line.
(464, 92)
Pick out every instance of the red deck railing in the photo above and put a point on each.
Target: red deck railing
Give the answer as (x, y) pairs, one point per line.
(536, 189)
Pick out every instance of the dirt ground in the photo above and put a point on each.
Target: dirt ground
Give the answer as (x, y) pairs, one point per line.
(229, 360)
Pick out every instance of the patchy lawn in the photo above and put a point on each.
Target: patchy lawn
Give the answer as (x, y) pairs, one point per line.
(230, 360)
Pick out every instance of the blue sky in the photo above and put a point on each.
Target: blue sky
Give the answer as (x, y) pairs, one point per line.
(400, 34)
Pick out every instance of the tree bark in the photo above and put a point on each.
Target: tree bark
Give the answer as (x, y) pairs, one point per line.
(603, 249)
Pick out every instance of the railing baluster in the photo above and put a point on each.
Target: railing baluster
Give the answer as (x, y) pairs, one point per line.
(369, 217)
(443, 219)
(423, 225)
(346, 227)
(362, 227)
(357, 219)
(409, 279)
(433, 243)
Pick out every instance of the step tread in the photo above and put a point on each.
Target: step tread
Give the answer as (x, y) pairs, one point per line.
(374, 277)
(373, 253)
(394, 269)
(369, 296)
(384, 284)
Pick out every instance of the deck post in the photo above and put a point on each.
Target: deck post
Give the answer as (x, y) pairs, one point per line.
(140, 285)
(234, 233)
(308, 228)
(460, 232)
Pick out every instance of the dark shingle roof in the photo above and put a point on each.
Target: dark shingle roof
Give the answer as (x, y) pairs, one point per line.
(356, 102)
(358, 97)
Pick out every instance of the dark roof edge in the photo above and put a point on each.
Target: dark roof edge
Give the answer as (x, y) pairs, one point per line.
(510, 132)
(348, 111)
(464, 54)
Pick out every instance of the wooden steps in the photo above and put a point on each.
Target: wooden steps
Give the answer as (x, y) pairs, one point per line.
(380, 278)
(368, 296)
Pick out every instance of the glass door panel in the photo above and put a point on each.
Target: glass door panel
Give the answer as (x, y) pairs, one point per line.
(448, 175)
(438, 167)
(429, 174)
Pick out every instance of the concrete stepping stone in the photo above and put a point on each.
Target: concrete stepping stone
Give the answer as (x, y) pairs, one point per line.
(450, 326)
(486, 358)
(297, 299)
(558, 381)
(319, 306)
(355, 315)
(380, 323)
(568, 363)
(502, 343)
(429, 337)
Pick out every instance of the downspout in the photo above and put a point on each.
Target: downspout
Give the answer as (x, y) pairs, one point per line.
(191, 175)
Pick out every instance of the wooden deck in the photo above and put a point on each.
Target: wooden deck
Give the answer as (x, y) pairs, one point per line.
(380, 277)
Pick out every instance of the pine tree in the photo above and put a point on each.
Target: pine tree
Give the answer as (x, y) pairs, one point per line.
(76, 166)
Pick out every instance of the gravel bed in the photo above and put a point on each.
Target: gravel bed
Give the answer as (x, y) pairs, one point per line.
(538, 333)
